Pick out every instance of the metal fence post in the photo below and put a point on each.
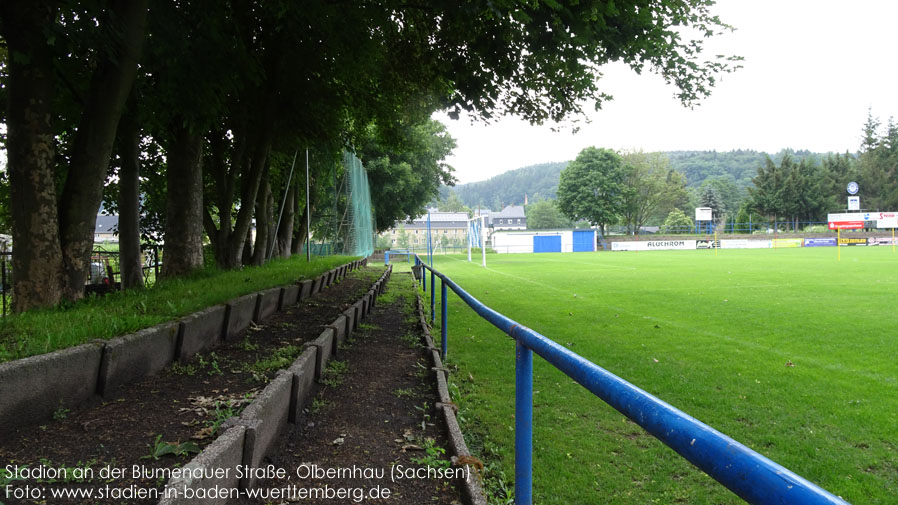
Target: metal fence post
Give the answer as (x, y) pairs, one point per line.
(444, 317)
(155, 264)
(4, 286)
(523, 425)
(433, 297)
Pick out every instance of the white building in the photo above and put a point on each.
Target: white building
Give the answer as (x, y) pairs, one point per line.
(544, 241)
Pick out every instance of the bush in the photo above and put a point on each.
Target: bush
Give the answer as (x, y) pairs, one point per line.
(677, 222)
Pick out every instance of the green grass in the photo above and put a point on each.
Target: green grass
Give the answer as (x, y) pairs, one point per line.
(711, 335)
(42, 331)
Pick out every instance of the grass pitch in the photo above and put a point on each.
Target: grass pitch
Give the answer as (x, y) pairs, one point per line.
(788, 351)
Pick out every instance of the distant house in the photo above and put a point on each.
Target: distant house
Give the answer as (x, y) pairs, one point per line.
(107, 229)
(446, 228)
(511, 217)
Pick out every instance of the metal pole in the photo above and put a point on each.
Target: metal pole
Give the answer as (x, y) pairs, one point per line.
(308, 214)
(483, 241)
(523, 425)
(444, 315)
(283, 201)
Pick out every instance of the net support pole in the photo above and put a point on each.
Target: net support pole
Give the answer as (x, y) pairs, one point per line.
(308, 214)
(283, 201)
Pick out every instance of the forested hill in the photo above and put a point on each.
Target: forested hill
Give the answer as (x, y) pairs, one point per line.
(536, 181)
(541, 181)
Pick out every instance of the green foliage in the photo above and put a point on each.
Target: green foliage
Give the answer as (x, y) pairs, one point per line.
(544, 214)
(591, 187)
(791, 190)
(406, 174)
(453, 203)
(160, 449)
(334, 373)
(434, 456)
(650, 188)
(677, 222)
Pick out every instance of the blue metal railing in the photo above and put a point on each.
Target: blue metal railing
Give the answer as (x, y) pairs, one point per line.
(749, 475)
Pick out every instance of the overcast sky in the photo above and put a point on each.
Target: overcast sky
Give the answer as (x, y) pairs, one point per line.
(811, 70)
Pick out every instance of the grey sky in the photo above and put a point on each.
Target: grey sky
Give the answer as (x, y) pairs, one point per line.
(811, 70)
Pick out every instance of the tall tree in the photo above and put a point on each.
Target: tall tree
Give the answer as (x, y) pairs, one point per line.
(54, 232)
(650, 187)
(591, 187)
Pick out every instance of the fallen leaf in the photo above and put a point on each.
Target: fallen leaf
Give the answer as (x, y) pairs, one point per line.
(206, 432)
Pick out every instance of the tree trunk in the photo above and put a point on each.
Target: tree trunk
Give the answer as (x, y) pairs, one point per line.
(37, 253)
(263, 222)
(109, 88)
(129, 200)
(183, 250)
(251, 182)
(285, 229)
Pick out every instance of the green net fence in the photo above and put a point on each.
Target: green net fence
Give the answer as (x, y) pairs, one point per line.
(343, 221)
(356, 230)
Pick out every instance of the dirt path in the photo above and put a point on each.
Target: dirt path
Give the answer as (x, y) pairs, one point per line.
(373, 433)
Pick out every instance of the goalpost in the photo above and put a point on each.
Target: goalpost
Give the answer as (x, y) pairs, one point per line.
(477, 237)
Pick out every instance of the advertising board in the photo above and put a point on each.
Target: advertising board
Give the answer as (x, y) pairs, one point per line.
(653, 245)
(881, 241)
(786, 242)
(846, 225)
(853, 241)
(745, 244)
(704, 214)
(820, 242)
(707, 244)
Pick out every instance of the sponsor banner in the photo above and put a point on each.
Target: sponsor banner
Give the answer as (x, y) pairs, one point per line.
(745, 244)
(861, 216)
(846, 225)
(853, 241)
(653, 245)
(881, 241)
(707, 244)
(887, 223)
(820, 242)
(787, 242)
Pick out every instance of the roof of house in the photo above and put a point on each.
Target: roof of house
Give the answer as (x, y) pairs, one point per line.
(106, 224)
(509, 211)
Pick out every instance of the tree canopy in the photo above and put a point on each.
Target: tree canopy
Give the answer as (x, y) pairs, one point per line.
(591, 187)
(229, 91)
